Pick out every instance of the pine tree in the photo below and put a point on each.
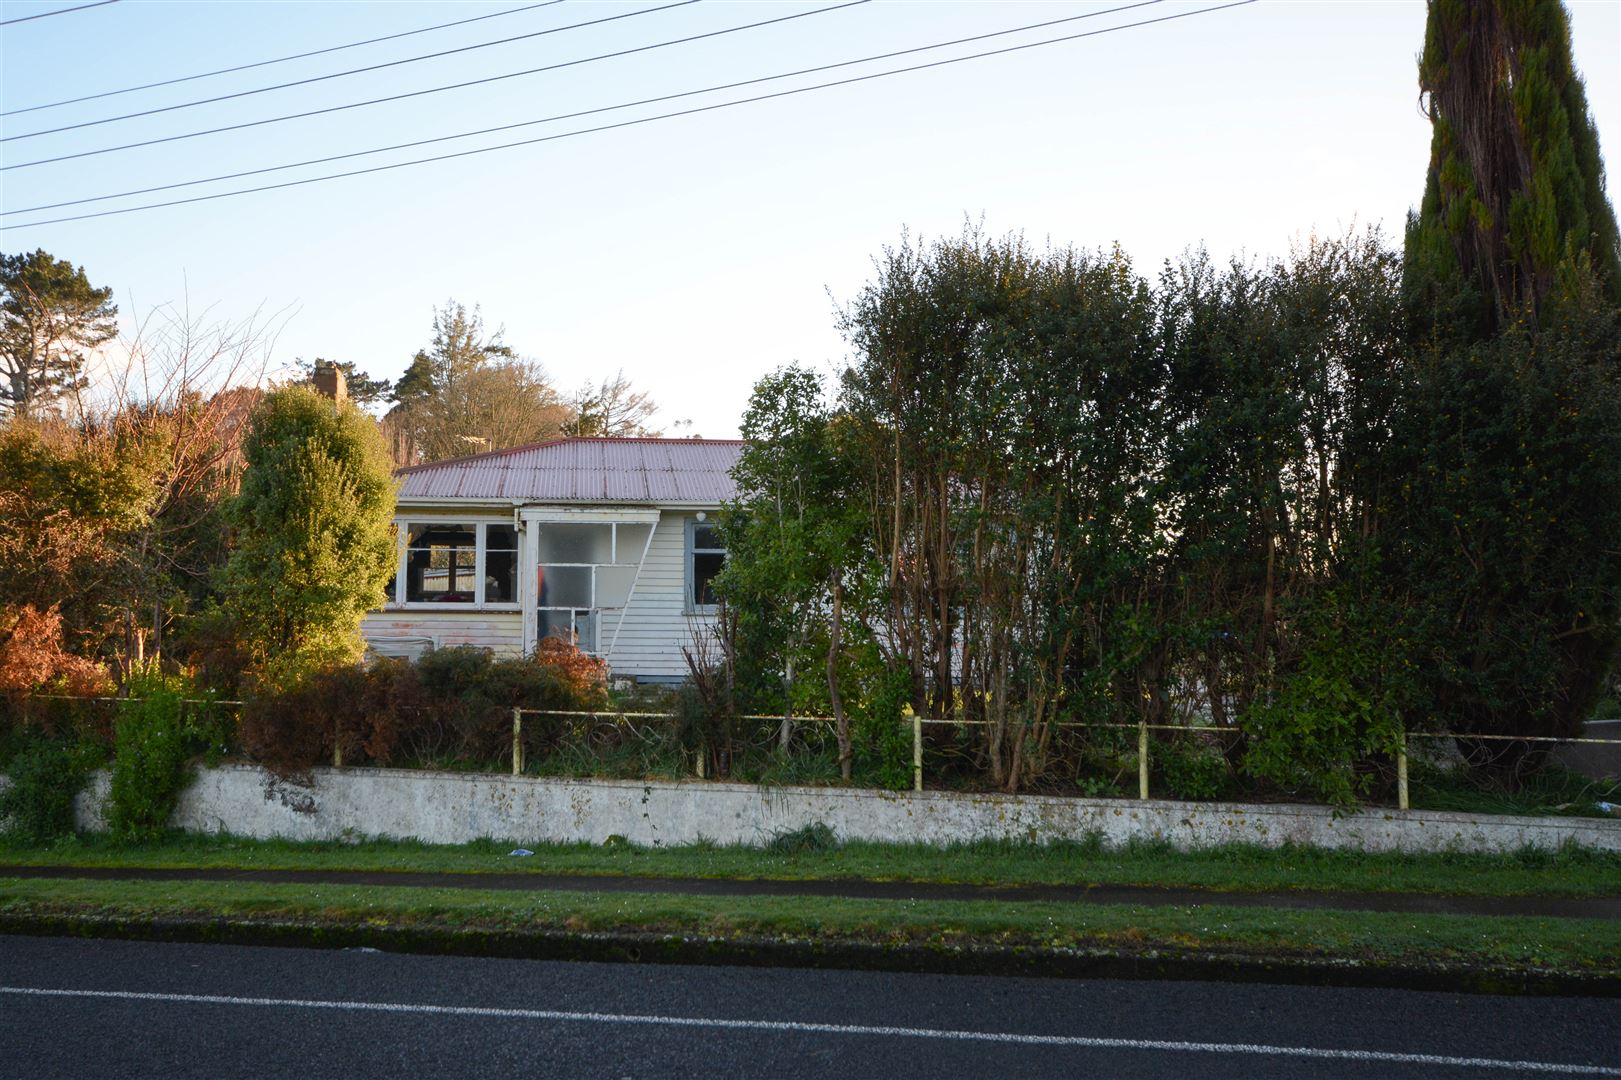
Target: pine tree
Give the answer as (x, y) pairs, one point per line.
(50, 318)
(1514, 197)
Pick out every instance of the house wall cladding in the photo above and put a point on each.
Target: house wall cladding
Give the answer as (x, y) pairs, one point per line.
(656, 622)
(450, 808)
(409, 633)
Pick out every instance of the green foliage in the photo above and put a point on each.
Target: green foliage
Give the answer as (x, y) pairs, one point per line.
(157, 735)
(883, 737)
(1338, 708)
(1514, 195)
(1190, 769)
(46, 775)
(817, 836)
(1554, 791)
(315, 542)
(1502, 533)
(1240, 489)
(51, 319)
(72, 511)
(470, 392)
(790, 545)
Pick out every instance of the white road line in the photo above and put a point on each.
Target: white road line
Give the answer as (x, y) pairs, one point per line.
(796, 1026)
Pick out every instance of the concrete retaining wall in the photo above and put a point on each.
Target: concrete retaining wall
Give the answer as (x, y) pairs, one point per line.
(450, 808)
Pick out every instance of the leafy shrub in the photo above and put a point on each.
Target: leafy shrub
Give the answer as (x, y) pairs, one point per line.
(153, 745)
(882, 740)
(46, 775)
(1337, 709)
(452, 705)
(346, 706)
(1191, 771)
(582, 676)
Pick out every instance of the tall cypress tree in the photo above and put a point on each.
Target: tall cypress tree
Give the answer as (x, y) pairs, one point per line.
(1499, 545)
(1515, 190)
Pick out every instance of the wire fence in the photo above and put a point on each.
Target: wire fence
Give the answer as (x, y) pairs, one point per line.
(917, 722)
(625, 719)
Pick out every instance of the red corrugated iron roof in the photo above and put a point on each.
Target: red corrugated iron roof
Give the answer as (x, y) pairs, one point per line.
(585, 470)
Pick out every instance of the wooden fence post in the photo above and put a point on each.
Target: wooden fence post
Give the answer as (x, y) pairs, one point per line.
(1142, 759)
(917, 752)
(1401, 771)
(517, 741)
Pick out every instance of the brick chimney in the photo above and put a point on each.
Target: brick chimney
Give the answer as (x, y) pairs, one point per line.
(328, 381)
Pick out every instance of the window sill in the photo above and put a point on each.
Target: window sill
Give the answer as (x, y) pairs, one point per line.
(425, 605)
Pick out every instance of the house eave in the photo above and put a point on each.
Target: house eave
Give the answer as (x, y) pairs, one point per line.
(583, 504)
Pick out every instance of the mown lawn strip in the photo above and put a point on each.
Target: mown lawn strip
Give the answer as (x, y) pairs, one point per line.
(1568, 872)
(1572, 945)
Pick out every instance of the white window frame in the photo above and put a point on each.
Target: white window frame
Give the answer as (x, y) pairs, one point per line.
(692, 607)
(537, 518)
(481, 526)
(593, 610)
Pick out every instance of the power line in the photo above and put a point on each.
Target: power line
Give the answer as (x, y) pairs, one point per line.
(585, 112)
(344, 74)
(267, 63)
(641, 120)
(439, 89)
(58, 11)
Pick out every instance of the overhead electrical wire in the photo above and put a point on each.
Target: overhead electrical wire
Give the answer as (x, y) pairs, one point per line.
(441, 89)
(58, 11)
(344, 74)
(584, 112)
(645, 119)
(268, 63)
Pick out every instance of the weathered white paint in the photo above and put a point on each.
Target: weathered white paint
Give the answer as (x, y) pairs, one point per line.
(451, 808)
(405, 632)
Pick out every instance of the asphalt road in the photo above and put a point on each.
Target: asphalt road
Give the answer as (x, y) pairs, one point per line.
(78, 1008)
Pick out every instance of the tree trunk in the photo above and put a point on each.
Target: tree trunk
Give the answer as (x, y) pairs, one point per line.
(841, 722)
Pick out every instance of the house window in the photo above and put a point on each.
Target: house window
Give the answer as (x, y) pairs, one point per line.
(472, 564)
(706, 554)
(584, 571)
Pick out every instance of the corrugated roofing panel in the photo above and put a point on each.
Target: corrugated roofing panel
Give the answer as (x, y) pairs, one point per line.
(586, 471)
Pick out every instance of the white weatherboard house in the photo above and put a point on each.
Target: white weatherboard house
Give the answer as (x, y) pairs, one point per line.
(608, 542)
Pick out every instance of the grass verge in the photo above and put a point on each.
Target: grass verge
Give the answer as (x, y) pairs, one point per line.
(1570, 872)
(1590, 950)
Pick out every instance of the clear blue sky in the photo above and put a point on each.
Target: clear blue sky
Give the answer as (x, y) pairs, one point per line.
(700, 252)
